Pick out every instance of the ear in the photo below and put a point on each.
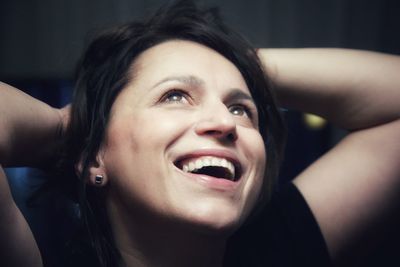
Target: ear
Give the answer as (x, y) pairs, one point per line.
(96, 171)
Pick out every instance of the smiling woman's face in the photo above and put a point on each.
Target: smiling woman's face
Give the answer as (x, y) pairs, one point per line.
(182, 142)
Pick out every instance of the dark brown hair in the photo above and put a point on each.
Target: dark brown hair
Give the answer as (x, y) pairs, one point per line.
(104, 71)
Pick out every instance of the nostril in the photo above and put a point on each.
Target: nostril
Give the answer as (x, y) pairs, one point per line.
(231, 137)
(213, 132)
(220, 129)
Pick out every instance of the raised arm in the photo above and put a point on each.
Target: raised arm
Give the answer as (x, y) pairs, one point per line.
(353, 89)
(30, 128)
(354, 187)
(29, 132)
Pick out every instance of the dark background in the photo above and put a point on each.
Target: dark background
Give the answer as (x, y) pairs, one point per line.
(41, 41)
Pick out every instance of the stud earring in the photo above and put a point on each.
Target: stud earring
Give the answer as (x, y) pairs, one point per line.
(98, 179)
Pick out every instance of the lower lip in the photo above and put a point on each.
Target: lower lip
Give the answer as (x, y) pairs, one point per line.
(212, 182)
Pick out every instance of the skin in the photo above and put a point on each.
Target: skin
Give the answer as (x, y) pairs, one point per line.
(354, 189)
(351, 190)
(152, 125)
(28, 125)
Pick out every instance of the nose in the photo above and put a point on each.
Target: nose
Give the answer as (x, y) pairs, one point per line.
(218, 122)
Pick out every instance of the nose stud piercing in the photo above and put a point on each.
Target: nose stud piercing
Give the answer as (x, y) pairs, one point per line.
(98, 179)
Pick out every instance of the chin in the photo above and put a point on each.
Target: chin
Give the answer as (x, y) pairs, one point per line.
(216, 222)
(217, 229)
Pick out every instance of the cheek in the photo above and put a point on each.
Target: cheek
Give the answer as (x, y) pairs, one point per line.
(257, 156)
(142, 131)
(118, 151)
(128, 156)
(135, 144)
(256, 150)
(262, 162)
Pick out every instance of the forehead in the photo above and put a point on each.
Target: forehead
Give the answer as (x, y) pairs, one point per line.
(178, 57)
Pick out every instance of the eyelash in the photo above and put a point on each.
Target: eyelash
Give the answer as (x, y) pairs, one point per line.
(244, 108)
(186, 96)
(167, 95)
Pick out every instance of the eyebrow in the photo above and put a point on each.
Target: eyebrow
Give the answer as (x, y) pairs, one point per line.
(186, 79)
(237, 94)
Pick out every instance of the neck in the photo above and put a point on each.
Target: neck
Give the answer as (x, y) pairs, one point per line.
(149, 241)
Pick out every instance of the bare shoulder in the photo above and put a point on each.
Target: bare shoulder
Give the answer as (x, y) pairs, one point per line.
(355, 185)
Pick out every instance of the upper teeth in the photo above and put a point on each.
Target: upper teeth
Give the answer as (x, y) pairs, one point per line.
(198, 163)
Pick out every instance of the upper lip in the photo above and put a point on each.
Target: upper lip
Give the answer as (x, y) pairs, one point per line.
(221, 153)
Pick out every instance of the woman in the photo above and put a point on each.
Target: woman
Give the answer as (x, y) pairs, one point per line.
(172, 129)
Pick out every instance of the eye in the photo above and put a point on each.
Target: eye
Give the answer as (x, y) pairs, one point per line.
(240, 110)
(175, 96)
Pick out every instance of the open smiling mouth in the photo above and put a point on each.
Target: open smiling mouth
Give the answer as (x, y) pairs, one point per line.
(212, 166)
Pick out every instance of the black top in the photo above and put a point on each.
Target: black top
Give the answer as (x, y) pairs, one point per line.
(286, 234)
